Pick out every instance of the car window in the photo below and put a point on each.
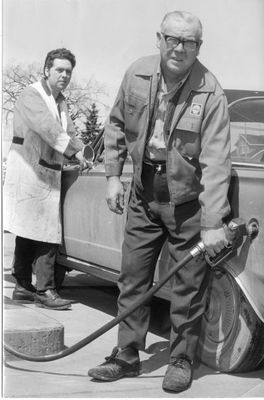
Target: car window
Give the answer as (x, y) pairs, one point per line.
(247, 130)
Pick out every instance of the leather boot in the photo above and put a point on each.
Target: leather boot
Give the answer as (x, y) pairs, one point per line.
(24, 291)
(114, 368)
(51, 299)
(178, 376)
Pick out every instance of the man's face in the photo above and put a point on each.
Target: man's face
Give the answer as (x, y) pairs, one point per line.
(177, 60)
(59, 75)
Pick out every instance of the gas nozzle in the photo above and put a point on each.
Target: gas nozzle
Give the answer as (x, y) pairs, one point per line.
(220, 257)
(253, 228)
(89, 156)
(235, 230)
(88, 153)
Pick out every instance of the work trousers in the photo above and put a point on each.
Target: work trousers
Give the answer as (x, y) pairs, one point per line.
(43, 256)
(151, 220)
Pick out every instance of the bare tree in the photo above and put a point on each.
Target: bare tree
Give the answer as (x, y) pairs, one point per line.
(15, 79)
(79, 97)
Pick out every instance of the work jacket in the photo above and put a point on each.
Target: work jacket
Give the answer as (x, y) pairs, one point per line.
(43, 135)
(198, 141)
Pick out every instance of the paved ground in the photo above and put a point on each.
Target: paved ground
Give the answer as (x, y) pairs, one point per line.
(67, 378)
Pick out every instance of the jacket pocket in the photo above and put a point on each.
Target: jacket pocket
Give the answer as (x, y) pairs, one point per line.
(134, 104)
(135, 108)
(30, 191)
(49, 174)
(186, 137)
(190, 124)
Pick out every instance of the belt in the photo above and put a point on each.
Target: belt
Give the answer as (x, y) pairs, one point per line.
(158, 167)
(45, 164)
(154, 182)
(17, 140)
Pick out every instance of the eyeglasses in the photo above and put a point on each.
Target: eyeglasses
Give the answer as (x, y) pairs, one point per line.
(173, 42)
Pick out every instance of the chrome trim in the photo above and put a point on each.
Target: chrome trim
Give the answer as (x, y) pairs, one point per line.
(247, 164)
(198, 249)
(244, 99)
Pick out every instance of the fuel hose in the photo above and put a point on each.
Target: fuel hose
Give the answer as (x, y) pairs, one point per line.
(195, 251)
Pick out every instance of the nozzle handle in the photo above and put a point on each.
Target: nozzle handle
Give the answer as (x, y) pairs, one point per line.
(88, 153)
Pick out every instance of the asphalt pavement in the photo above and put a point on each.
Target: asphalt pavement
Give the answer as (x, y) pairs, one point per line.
(94, 304)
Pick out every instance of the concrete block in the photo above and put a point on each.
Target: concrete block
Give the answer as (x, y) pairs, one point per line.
(31, 332)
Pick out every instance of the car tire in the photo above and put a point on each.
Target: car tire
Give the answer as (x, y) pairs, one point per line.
(232, 334)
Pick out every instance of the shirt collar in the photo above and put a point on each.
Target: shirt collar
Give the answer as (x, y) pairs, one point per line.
(169, 94)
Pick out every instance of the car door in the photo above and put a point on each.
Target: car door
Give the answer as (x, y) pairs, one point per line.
(91, 232)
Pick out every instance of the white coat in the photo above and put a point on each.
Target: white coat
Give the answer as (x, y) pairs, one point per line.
(43, 135)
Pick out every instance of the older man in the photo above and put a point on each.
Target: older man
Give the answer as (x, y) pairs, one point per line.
(171, 116)
(43, 135)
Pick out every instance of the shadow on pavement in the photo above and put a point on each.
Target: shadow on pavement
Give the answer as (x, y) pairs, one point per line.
(104, 298)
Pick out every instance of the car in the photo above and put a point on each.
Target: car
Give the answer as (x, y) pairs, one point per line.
(233, 325)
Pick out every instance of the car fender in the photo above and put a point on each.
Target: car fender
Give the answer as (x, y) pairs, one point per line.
(246, 196)
(250, 280)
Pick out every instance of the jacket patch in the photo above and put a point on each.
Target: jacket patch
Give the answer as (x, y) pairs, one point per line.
(196, 109)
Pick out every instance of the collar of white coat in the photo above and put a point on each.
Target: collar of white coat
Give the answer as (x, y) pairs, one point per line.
(45, 86)
(44, 91)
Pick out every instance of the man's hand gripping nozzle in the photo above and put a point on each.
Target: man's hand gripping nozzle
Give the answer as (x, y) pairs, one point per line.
(235, 230)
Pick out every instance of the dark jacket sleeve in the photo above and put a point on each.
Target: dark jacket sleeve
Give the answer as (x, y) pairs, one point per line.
(114, 136)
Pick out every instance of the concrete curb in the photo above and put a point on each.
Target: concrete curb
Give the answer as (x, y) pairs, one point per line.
(30, 332)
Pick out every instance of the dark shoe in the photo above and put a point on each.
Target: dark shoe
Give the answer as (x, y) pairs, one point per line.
(24, 291)
(51, 299)
(114, 368)
(178, 376)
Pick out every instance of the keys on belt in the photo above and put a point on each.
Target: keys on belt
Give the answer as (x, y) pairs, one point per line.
(158, 168)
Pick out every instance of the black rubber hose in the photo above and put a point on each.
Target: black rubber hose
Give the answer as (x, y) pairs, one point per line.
(109, 325)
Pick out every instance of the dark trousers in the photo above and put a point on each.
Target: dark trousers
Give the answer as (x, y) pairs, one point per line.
(43, 256)
(152, 220)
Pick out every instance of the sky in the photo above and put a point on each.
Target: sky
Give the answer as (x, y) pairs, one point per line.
(107, 35)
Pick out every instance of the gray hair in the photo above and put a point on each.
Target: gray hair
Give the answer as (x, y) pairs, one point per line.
(187, 17)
